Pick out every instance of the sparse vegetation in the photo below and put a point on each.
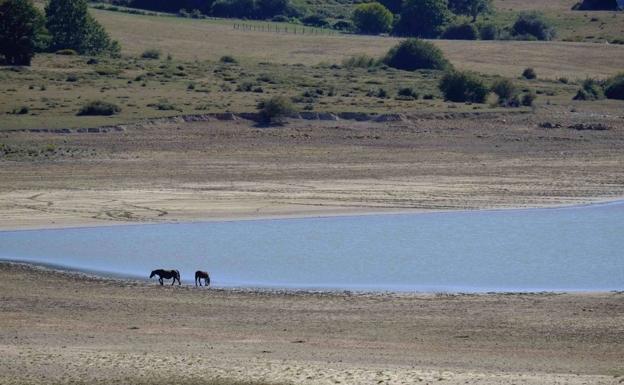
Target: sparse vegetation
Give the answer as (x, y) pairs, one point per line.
(228, 59)
(459, 86)
(151, 53)
(414, 54)
(360, 61)
(98, 107)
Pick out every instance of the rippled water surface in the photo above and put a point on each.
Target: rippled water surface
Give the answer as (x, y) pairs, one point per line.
(577, 248)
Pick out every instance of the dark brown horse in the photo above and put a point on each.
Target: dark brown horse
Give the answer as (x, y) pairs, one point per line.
(166, 274)
(199, 275)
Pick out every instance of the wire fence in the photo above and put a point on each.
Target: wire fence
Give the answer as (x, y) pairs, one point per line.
(292, 29)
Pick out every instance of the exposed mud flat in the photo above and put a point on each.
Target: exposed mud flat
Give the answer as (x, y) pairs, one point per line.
(58, 327)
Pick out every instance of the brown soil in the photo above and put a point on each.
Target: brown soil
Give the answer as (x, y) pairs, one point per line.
(58, 328)
(233, 169)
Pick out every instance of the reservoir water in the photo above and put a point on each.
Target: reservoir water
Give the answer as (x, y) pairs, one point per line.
(562, 249)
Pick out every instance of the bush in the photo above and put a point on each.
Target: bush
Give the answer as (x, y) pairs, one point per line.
(614, 87)
(422, 18)
(534, 25)
(228, 59)
(529, 74)
(407, 93)
(99, 107)
(21, 31)
(528, 99)
(274, 109)
(488, 32)
(413, 54)
(591, 89)
(343, 25)
(463, 87)
(463, 31)
(315, 21)
(151, 53)
(360, 61)
(506, 91)
(372, 18)
(280, 19)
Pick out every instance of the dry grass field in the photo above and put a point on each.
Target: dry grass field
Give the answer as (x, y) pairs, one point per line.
(208, 40)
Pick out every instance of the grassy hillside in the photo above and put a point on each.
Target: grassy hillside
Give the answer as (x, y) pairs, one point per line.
(303, 66)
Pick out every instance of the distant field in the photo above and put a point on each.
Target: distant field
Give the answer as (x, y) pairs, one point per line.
(209, 39)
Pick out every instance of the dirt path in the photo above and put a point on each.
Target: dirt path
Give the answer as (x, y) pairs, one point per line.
(57, 327)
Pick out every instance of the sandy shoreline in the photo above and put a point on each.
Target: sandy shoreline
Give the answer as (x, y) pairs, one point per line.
(44, 224)
(58, 327)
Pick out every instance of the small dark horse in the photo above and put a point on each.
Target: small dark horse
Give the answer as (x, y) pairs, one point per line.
(166, 274)
(199, 275)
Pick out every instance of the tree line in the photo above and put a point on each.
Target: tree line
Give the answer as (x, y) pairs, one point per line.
(64, 25)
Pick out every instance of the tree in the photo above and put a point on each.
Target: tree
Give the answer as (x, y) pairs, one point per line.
(372, 18)
(21, 31)
(71, 27)
(423, 18)
(393, 6)
(414, 54)
(472, 8)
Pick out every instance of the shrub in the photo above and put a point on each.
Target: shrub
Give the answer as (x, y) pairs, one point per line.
(393, 6)
(163, 105)
(506, 91)
(413, 54)
(343, 25)
(488, 32)
(528, 99)
(21, 31)
(463, 87)
(532, 24)
(360, 61)
(614, 87)
(591, 89)
(71, 78)
(151, 53)
(274, 109)
(315, 20)
(422, 18)
(372, 18)
(407, 93)
(98, 107)
(529, 74)
(228, 59)
(463, 31)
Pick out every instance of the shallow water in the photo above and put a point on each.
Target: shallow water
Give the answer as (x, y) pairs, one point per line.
(564, 249)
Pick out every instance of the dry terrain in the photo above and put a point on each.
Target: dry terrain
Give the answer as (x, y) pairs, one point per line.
(63, 328)
(209, 40)
(234, 168)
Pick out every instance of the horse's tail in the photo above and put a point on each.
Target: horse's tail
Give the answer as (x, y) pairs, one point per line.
(177, 275)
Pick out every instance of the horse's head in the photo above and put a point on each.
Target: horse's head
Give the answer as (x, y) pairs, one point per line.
(153, 274)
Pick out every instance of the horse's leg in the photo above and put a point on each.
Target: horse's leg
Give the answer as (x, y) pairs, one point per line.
(160, 280)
